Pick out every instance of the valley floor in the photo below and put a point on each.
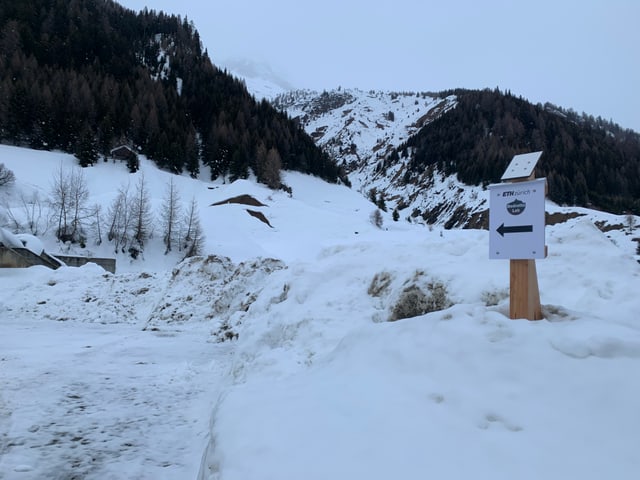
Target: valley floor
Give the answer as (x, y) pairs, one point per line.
(122, 376)
(83, 398)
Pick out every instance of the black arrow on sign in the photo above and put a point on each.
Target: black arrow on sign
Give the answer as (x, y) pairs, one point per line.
(515, 229)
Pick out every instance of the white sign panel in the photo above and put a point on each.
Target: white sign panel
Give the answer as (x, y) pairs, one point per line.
(516, 220)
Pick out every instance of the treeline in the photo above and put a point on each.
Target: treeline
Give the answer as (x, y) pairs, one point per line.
(85, 76)
(127, 224)
(587, 161)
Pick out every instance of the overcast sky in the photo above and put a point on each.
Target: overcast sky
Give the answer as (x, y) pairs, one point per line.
(579, 54)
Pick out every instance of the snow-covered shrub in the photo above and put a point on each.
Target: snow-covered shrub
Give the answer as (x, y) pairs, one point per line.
(414, 301)
(438, 297)
(379, 284)
(7, 177)
(494, 297)
(376, 218)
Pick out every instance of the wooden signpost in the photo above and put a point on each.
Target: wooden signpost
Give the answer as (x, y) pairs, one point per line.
(516, 232)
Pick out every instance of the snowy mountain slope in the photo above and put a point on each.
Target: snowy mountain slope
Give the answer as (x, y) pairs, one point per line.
(363, 129)
(272, 357)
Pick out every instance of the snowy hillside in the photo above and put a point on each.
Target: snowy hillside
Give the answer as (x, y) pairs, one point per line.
(363, 129)
(366, 131)
(272, 356)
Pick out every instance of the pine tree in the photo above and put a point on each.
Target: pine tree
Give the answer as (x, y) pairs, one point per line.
(239, 166)
(260, 159)
(87, 148)
(133, 163)
(272, 166)
(192, 155)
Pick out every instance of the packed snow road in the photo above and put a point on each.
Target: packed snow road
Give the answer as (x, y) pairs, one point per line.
(88, 395)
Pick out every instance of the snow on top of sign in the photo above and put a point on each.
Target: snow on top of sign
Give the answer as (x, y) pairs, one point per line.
(521, 166)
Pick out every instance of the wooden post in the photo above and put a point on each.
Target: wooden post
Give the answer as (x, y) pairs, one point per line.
(524, 296)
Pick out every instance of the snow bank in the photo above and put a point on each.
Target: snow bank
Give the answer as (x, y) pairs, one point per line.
(324, 387)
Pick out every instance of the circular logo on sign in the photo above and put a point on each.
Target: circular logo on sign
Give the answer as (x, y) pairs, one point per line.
(516, 207)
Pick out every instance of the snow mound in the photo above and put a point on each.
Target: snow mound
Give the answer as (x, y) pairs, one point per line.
(215, 290)
(31, 242)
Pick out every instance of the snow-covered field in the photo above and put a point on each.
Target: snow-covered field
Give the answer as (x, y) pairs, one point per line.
(125, 376)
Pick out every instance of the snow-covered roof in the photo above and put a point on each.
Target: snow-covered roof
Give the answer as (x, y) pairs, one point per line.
(21, 240)
(31, 242)
(10, 240)
(119, 149)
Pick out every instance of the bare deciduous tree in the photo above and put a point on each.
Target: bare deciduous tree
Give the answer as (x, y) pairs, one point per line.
(193, 236)
(79, 197)
(119, 219)
(34, 213)
(69, 195)
(60, 201)
(141, 214)
(9, 219)
(170, 216)
(96, 224)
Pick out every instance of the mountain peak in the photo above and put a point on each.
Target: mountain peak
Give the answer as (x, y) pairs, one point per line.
(260, 77)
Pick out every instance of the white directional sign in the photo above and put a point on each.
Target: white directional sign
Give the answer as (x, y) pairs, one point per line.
(516, 220)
